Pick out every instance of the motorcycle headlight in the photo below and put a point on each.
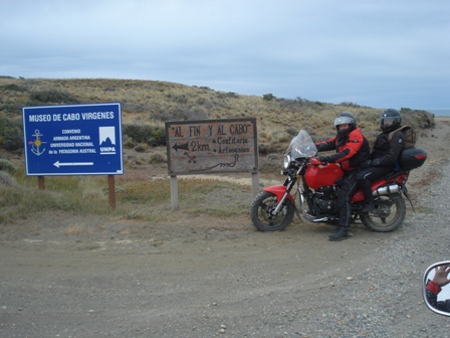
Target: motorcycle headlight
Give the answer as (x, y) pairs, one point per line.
(286, 161)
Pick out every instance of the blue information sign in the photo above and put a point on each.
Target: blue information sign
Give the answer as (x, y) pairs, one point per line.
(83, 139)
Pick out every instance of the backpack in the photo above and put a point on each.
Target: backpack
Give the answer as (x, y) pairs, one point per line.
(410, 136)
(410, 156)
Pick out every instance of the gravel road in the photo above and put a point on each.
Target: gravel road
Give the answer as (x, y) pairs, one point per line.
(202, 277)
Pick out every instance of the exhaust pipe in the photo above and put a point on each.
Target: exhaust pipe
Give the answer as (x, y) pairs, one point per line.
(387, 190)
(313, 219)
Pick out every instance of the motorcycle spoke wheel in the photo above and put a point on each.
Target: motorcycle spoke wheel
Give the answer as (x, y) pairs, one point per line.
(261, 212)
(389, 214)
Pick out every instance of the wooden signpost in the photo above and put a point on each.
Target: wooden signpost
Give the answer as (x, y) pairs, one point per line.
(210, 147)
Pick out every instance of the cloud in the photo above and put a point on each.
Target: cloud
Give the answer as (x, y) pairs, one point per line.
(372, 53)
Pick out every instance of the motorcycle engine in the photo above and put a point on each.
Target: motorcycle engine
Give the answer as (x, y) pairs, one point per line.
(325, 200)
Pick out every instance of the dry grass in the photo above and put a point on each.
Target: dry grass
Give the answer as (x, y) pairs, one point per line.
(152, 103)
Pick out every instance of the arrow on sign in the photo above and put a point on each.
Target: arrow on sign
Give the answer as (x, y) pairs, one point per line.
(181, 146)
(67, 164)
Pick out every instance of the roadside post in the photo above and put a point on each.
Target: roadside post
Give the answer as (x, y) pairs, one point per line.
(82, 139)
(210, 147)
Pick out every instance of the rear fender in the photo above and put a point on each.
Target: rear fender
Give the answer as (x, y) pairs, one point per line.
(279, 191)
(399, 179)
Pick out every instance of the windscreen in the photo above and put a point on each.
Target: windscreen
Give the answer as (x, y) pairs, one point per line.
(302, 145)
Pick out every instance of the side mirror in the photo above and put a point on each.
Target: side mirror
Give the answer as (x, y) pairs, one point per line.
(436, 293)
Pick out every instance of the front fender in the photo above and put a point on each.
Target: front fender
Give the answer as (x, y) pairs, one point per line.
(279, 191)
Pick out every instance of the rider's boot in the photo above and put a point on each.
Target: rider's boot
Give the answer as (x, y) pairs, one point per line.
(369, 207)
(340, 234)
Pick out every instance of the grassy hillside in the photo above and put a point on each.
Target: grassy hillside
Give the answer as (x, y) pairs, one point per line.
(146, 105)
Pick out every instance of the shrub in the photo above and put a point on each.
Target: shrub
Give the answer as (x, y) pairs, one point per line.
(6, 180)
(52, 96)
(157, 138)
(268, 97)
(140, 148)
(7, 166)
(283, 137)
(292, 131)
(145, 134)
(223, 95)
(232, 95)
(12, 108)
(189, 114)
(128, 142)
(417, 118)
(13, 87)
(11, 134)
(158, 157)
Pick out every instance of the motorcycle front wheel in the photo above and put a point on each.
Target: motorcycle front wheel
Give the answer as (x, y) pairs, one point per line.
(389, 214)
(261, 212)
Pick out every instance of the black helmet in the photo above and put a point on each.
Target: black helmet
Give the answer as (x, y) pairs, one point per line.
(345, 118)
(391, 119)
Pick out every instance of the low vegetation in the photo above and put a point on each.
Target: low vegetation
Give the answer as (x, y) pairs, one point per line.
(146, 106)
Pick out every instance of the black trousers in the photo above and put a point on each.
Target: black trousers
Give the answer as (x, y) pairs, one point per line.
(347, 188)
(365, 177)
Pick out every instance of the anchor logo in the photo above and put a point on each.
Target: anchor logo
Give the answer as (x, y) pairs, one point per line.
(37, 143)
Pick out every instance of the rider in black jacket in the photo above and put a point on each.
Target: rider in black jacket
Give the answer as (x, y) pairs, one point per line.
(383, 157)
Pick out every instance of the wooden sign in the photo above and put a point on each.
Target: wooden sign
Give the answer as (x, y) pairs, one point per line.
(212, 146)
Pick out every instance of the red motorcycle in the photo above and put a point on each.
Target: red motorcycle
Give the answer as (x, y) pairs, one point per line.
(316, 186)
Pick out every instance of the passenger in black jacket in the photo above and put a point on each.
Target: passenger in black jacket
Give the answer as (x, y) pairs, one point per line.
(383, 157)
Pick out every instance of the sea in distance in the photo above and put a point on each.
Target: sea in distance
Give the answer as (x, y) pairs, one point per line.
(439, 112)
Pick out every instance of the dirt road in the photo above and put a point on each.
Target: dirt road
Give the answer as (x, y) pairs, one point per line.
(66, 275)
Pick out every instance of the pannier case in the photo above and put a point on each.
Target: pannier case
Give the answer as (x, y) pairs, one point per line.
(412, 158)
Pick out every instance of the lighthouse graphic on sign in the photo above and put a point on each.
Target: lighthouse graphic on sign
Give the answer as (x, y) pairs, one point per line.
(107, 140)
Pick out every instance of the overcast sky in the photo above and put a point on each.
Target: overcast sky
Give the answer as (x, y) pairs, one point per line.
(383, 53)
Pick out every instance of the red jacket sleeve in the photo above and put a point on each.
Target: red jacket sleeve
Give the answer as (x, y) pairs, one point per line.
(326, 145)
(346, 151)
(433, 287)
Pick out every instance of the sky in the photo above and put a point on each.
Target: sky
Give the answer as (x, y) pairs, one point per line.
(382, 54)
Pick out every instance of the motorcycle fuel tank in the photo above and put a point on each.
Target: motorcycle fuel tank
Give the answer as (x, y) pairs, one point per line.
(322, 175)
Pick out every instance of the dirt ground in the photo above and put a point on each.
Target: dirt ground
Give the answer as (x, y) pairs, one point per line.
(69, 275)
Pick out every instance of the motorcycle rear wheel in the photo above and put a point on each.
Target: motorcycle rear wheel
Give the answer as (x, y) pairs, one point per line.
(389, 214)
(261, 208)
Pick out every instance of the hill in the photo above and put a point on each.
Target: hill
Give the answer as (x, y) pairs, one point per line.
(147, 105)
